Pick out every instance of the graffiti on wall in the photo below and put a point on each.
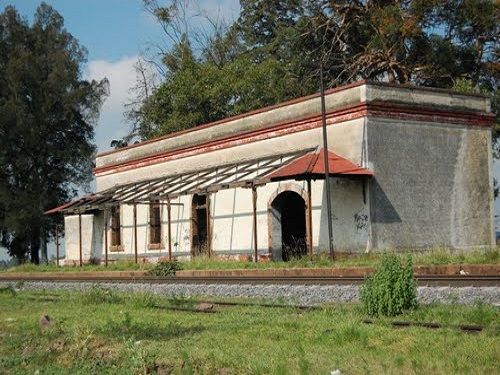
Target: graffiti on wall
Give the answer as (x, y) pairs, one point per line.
(361, 221)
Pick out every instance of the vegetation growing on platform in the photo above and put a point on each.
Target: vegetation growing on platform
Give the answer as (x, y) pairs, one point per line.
(114, 333)
(391, 289)
(440, 256)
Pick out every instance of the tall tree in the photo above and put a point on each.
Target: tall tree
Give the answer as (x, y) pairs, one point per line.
(274, 50)
(47, 118)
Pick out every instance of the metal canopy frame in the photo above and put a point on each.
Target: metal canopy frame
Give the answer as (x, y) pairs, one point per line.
(242, 174)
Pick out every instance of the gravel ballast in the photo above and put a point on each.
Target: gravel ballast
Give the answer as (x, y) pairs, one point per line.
(297, 294)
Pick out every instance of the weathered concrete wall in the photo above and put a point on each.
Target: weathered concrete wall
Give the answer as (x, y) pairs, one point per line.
(231, 223)
(299, 109)
(350, 216)
(432, 184)
(345, 138)
(97, 250)
(180, 229)
(72, 237)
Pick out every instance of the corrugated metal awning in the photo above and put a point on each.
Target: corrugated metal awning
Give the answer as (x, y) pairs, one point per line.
(312, 165)
(294, 165)
(243, 174)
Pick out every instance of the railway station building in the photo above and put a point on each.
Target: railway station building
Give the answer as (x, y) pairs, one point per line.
(410, 168)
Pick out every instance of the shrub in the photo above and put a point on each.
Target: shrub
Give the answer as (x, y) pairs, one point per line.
(165, 268)
(9, 289)
(391, 289)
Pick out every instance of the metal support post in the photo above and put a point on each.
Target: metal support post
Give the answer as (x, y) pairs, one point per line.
(254, 204)
(169, 217)
(309, 219)
(135, 233)
(80, 237)
(105, 238)
(57, 245)
(209, 231)
(327, 167)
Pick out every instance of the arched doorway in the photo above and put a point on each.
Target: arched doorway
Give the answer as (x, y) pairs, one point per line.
(199, 225)
(288, 216)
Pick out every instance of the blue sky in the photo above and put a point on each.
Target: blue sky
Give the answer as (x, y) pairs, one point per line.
(115, 33)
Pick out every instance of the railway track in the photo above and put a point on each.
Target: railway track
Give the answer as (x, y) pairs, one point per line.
(453, 281)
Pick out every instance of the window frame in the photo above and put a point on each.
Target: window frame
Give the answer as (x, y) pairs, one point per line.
(116, 213)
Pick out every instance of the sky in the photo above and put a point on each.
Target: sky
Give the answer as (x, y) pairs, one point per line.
(115, 33)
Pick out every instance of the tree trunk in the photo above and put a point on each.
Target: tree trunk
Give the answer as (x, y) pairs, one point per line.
(35, 245)
(43, 248)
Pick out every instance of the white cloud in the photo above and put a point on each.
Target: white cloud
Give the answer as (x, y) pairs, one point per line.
(121, 76)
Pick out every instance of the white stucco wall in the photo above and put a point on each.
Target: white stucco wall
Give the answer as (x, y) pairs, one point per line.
(72, 236)
(231, 223)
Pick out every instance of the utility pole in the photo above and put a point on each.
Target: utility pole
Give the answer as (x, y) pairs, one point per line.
(326, 162)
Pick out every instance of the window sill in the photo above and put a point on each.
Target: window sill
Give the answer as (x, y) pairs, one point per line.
(156, 246)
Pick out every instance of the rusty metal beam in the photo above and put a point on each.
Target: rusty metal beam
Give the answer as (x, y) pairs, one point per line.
(202, 181)
(146, 202)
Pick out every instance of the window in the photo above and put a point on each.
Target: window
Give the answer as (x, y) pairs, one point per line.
(116, 238)
(154, 223)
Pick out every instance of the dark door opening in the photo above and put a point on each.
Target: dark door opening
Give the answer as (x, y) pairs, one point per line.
(199, 231)
(291, 208)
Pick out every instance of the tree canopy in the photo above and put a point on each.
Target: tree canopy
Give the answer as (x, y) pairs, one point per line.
(47, 117)
(273, 51)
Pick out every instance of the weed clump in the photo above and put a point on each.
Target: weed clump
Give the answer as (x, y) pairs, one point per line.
(165, 268)
(145, 300)
(98, 295)
(391, 289)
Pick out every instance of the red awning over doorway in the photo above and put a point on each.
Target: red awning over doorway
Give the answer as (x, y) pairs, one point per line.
(312, 165)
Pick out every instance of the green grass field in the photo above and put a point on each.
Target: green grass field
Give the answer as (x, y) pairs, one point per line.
(439, 256)
(108, 333)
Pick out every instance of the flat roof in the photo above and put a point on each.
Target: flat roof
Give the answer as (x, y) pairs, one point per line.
(346, 96)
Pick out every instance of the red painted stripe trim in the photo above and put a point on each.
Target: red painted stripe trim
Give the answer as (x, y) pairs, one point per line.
(341, 115)
(236, 117)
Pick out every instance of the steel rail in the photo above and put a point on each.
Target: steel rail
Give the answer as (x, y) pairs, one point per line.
(431, 280)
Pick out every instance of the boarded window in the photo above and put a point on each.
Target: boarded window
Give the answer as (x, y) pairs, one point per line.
(116, 238)
(154, 223)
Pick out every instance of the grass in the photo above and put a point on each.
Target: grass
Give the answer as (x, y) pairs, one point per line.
(100, 331)
(439, 256)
